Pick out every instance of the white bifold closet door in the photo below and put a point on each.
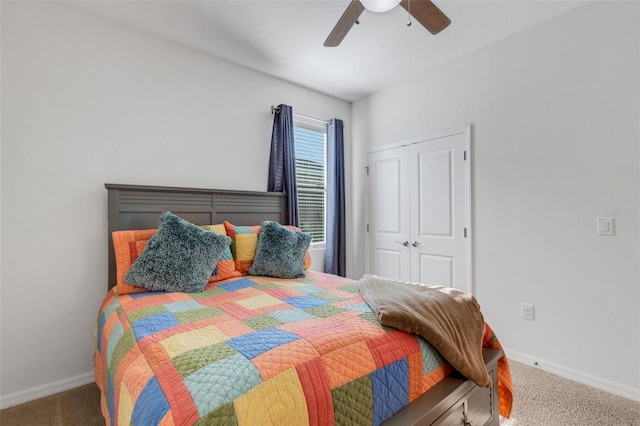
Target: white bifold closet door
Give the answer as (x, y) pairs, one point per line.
(419, 209)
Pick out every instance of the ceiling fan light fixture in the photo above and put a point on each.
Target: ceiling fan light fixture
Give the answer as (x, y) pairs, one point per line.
(379, 6)
(424, 11)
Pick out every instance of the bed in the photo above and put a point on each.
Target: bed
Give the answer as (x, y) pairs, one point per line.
(254, 350)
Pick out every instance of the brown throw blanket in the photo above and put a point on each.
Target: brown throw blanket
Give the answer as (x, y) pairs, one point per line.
(447, 318)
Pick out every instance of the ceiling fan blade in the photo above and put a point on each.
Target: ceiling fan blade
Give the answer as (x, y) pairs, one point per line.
(427, 14)
(348, 18)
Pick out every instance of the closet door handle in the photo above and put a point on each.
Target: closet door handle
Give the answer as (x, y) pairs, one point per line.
(415, 243)
(404, 243)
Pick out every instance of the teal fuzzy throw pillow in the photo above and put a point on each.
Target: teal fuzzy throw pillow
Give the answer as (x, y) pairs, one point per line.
(180, 257)
(280, 252)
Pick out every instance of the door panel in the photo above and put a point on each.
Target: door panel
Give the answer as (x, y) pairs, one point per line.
(389, 263)
(388, 203)
(389, 215)
(435, 192)
(436, 270)
(439, 210)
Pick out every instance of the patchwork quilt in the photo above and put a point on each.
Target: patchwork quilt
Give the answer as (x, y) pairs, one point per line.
(257, 350)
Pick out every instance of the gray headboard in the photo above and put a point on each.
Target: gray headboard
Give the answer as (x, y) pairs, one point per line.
(139, 207)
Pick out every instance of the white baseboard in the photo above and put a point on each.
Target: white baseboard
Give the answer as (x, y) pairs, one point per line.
(575, 375)
(48, 389)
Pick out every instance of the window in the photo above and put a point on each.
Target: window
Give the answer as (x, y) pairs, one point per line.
(310, 139)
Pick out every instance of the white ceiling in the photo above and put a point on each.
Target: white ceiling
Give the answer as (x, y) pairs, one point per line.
(284, 38)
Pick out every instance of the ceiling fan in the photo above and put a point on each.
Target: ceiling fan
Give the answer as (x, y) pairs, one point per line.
(424, 11)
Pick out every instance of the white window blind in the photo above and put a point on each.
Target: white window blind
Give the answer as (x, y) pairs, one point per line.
(310, 140)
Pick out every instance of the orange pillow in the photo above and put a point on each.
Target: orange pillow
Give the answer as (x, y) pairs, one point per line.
(244, 242)
(128, 245)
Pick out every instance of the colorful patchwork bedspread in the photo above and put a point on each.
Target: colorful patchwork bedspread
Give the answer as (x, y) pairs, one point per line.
(257, 350)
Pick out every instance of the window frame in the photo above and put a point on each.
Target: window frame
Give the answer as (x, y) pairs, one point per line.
(321, 126)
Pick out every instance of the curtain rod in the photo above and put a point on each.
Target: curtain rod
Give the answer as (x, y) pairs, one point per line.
(275, 109)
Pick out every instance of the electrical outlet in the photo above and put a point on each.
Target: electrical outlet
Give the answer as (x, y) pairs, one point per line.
(528, 312)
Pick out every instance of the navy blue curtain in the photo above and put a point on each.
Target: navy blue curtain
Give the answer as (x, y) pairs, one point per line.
(282, 161)
(335, 258)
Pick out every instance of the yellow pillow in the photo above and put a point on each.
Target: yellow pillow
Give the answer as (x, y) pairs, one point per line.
(244, 242)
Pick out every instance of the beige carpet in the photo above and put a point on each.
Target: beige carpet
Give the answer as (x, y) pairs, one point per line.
(541, 398)
(75, 407)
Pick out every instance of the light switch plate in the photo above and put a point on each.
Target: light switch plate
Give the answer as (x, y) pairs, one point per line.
(606, 226)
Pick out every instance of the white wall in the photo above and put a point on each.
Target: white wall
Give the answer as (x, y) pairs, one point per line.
(555, 144)
(86, 102)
